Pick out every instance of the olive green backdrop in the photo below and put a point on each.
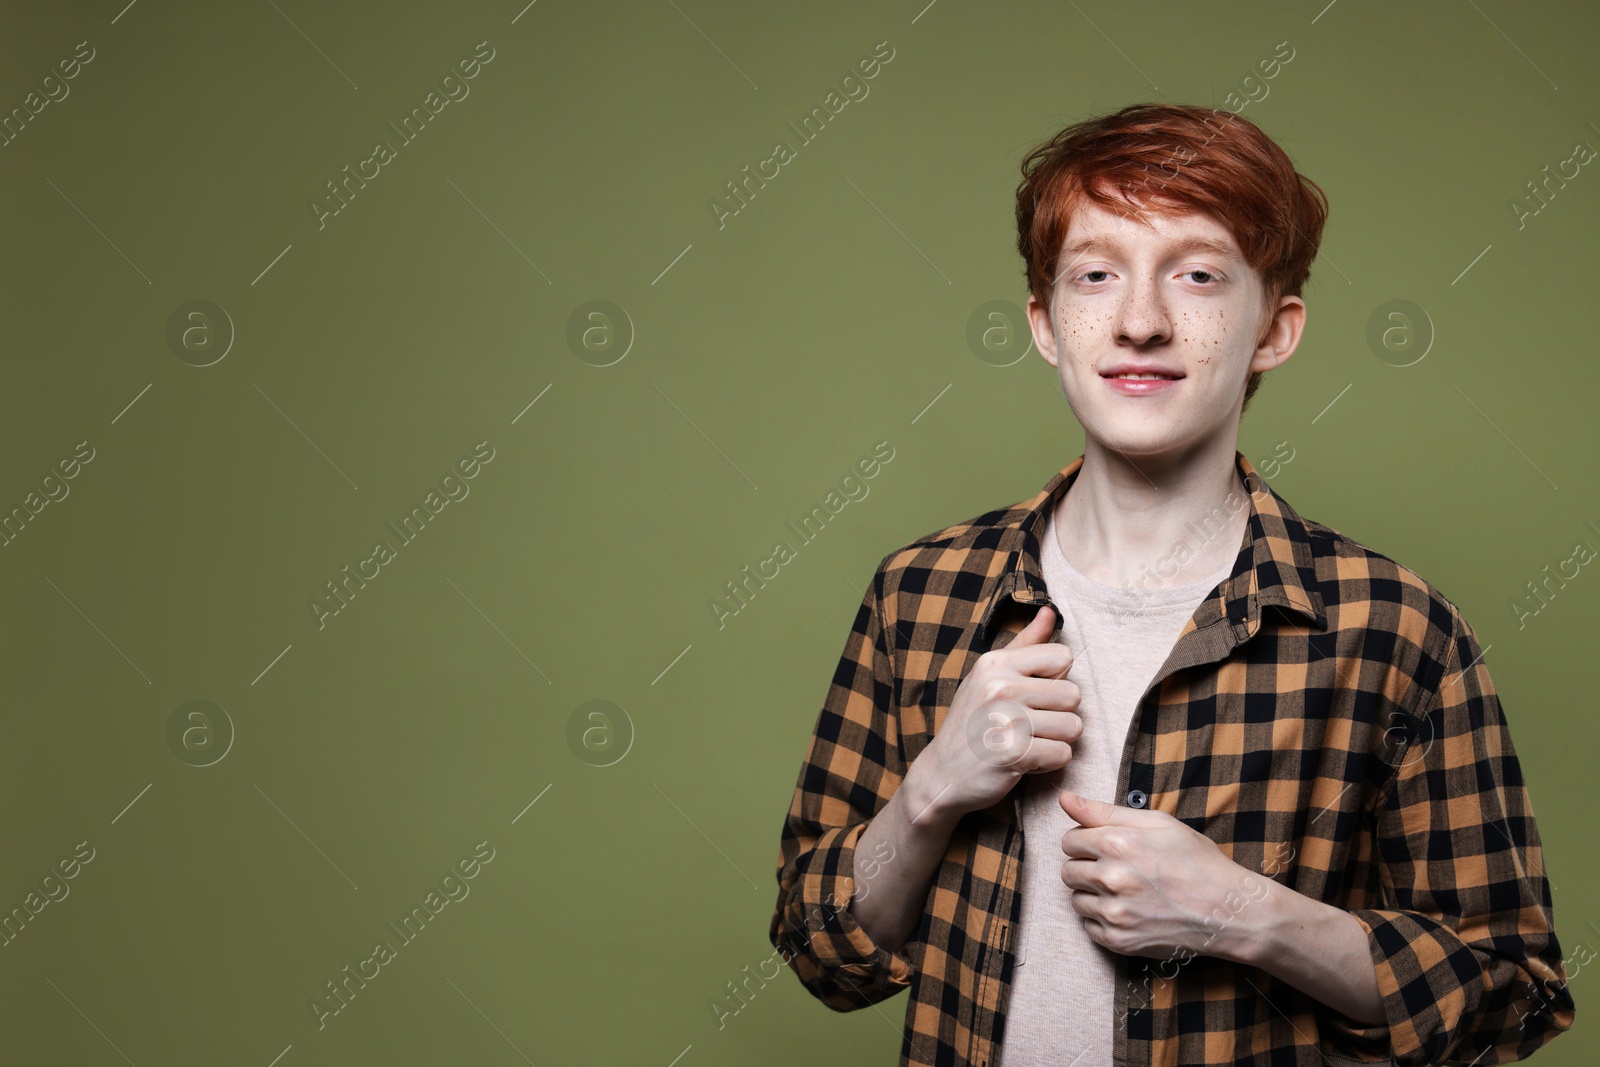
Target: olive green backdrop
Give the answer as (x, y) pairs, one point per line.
(540, 273)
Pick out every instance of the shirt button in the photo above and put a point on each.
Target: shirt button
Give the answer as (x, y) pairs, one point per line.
(1136, 799)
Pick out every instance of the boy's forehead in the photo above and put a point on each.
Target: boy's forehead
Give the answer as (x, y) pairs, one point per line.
(1093, 227)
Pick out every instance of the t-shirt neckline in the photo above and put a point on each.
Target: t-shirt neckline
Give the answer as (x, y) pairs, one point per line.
(1151, 592)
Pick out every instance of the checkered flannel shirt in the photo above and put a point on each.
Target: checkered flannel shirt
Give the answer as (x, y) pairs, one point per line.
(1325, 717)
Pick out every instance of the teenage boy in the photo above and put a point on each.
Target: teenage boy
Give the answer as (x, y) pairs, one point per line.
(1271, 807)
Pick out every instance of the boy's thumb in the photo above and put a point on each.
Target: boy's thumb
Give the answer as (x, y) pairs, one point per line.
(1038, 631)
(1086, 811)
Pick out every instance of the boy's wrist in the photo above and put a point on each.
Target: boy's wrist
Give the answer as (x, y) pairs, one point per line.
(1267, 932)
(927, 801)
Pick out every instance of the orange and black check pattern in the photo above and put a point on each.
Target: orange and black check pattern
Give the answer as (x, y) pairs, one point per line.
(1325, 717)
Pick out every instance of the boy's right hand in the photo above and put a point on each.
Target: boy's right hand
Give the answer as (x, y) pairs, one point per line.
(1014, 713)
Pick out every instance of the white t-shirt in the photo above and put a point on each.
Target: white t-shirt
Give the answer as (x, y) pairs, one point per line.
(1062, 1001)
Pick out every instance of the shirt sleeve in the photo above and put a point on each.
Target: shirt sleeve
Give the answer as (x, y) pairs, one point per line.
(852, 767)
(1467, 958)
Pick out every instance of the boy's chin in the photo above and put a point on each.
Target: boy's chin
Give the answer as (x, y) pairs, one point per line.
(1153, 442)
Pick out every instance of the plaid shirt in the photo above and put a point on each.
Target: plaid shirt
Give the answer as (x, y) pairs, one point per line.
(1324, 717)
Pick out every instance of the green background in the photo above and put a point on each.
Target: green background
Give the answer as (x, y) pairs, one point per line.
(765, 358)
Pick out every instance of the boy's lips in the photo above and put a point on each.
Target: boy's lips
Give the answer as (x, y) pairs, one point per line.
(1140, 386)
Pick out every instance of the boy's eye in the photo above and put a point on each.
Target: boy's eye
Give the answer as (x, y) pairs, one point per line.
(1087, 273)
(1208, 275)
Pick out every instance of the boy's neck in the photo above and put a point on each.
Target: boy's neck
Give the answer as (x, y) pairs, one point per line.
(1125, 518)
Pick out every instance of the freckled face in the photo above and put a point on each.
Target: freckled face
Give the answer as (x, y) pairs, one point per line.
(1152, 295)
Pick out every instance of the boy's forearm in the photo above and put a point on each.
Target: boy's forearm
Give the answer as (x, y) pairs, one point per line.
(912, 832)
(1319, 949)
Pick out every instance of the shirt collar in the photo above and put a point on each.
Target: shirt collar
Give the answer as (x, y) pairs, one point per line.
(1274, 567)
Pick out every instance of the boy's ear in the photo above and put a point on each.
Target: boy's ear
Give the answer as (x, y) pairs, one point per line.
(1282, 335)
(1044, 337)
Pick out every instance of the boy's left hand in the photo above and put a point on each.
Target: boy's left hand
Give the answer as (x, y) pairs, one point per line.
(1148, 885)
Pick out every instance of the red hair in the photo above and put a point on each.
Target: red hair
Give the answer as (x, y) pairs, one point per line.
(1174, 158)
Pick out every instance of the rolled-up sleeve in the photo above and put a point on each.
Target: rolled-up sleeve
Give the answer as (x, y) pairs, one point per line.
(1467, 958)
(852, 767)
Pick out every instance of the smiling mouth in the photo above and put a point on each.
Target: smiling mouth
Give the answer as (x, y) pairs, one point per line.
(1145, 377)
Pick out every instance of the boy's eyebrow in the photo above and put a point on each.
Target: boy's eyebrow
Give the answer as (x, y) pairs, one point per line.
(1193, 243)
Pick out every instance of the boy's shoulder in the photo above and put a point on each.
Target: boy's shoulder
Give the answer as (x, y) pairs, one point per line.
(976, 547)
(1355, 572)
